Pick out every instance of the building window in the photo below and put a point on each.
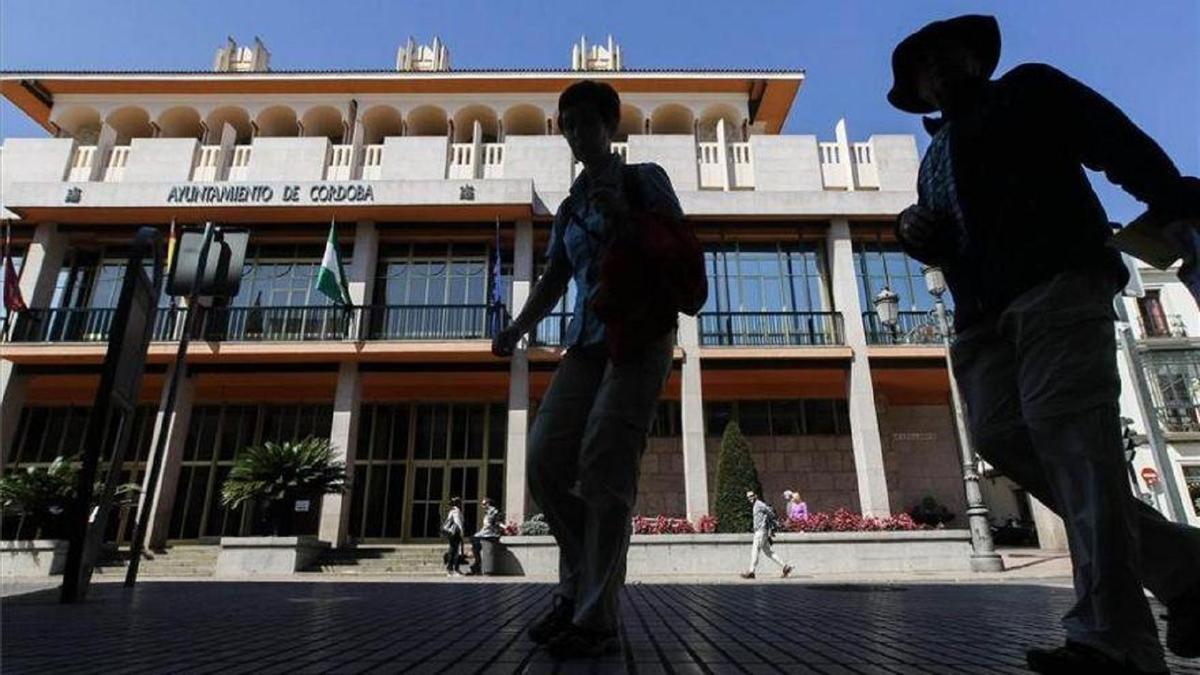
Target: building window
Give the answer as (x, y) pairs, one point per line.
(435, 274)
(1174, 378)
(217, 434)
(782, 277)
(92, 279)
(780, 417)
(276, 275)
(413, 457)
(47, 433)
(1154, 318)
(1191, 476)
(879, 264)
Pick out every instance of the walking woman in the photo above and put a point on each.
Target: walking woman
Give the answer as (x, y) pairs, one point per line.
(619, 234)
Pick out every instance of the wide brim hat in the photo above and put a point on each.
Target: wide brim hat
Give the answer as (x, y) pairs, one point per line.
(974, 32)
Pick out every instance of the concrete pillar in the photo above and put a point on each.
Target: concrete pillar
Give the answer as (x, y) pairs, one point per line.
(518, 382)
(172, 459)
(864, 419)
(347, 397)
(843, 140)
(43, 260)
(691, 410)
(1052, 534)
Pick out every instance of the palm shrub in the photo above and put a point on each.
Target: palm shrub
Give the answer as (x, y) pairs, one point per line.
(276, 475)
(735, 475)
(40, 497)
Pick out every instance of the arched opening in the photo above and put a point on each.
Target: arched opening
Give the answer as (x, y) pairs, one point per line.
(464, 122)
(180, 122)
(379, 122)
(235, 117)
(710, 116)
(276, 121)
(81, 123)
(524, 120)
(671, 118)
(427, 120)
(631, 124)
(130, 122)
(324, 121)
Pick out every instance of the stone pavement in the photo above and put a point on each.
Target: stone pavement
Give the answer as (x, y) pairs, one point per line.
(467, 627)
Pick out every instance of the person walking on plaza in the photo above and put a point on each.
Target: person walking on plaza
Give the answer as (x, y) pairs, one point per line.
(620, 235)
(765, 524)
(452, 528)
(1006, 211)
(491, 531)
(797, 509)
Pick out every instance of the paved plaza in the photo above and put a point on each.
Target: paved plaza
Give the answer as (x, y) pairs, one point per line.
(470, 627)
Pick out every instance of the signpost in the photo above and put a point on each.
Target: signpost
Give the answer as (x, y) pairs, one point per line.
(110, 422)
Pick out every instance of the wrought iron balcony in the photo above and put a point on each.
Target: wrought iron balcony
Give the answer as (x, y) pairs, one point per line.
(1180, 417)
(912, 328)
(84, 324)
(551, 330)
(770, 329)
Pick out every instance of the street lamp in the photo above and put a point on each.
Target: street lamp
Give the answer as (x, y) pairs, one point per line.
(984, 557)
(887, 308)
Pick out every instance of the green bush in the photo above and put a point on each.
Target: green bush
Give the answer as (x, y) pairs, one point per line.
(276, 475)
(735, 475)
(40, 496)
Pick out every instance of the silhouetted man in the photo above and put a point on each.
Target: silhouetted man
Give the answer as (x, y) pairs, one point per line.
(586, 442)
(1006, 210)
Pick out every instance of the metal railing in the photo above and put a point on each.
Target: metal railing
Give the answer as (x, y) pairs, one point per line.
(1179, 417)
(551, 330)
(770, 329)
(912, 328)
(268, 324)
(81, 163)
(85, 324)
(1169, 326)
(239, 165)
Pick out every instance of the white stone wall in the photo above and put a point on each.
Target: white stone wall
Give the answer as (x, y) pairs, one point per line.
(288, 159)
(786, 163)
(414, 158)
(166, 160)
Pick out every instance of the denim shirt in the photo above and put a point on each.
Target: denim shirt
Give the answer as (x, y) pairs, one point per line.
(579, 233)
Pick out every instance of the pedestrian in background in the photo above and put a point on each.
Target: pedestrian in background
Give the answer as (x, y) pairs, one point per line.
(797, 509)
(452, 528)
(765, 524)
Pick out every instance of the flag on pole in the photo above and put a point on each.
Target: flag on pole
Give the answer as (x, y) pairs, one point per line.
(13, 302)
(331, 279)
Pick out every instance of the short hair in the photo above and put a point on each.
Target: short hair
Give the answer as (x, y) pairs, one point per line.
(455, 501)
(598, 95)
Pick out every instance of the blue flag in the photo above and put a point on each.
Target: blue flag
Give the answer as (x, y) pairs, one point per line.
(497, 300)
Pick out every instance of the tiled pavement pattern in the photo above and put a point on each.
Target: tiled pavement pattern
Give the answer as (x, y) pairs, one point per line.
(299, 627)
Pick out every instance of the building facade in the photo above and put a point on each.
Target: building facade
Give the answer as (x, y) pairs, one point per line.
(419, 167)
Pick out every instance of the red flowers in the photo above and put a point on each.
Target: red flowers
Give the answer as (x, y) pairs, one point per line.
(847, 521)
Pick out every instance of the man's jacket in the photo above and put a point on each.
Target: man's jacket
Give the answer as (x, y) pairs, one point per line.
(765, 519)
(1028, 211)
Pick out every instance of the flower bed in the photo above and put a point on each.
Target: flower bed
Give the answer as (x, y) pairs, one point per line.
(848, 521)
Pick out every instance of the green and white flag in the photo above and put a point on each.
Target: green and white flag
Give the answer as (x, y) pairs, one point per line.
(331, 280)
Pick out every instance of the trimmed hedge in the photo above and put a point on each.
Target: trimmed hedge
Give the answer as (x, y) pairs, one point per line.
(735, 475)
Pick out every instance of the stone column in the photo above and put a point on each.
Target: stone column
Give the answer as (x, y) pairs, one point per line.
(691, 411)
(864, 419)
(1052, 534)
(347, 397)
(43, 260)
(518, 382)
(159, 521)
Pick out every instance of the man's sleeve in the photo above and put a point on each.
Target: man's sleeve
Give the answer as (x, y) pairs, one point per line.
(658, 194)
(1102, 136)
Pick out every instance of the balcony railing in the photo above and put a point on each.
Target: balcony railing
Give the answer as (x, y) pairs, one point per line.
(269, 324)
(462, 161)
(118, 157)
(85, 324)
(81, 163)
(338, 165)
(1180, 417)
(770, 329)
(551, 330)
(372, 162)
(743, 166)
(208, 164)
(912, 328)
(239, 166)
(493, 160)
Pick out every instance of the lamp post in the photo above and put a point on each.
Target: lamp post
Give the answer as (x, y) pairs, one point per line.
(984, 558)
(887, 308)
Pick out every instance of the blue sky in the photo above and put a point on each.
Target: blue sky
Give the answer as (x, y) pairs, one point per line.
(1144, 56)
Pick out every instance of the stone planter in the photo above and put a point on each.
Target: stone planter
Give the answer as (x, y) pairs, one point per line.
(251, 556)
(33, 557)
(810, 553)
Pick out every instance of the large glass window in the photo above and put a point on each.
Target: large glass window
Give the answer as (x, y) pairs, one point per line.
(780, 417)
(45, 433)
(782, 277)
(1175, 388)
(436, 274)
(217, 434)
(282, 275)
(881, 264)
(1191, 476)
(413, 457)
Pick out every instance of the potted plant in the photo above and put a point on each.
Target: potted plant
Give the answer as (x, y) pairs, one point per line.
(37, 498)
(931, 513)
(283, 480)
